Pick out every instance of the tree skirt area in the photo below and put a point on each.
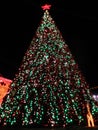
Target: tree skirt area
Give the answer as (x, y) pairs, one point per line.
(47, 128)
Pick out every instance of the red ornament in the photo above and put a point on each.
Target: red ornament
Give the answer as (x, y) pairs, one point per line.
(46, 7)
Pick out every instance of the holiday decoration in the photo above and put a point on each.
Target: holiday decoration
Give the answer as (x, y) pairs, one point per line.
(46, 7)
(4, 86)
(90, 119)
(49, 89)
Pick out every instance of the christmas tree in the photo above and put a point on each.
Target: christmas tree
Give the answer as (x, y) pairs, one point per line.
(49, 87)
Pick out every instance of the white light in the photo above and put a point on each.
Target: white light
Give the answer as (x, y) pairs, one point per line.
(95, 97)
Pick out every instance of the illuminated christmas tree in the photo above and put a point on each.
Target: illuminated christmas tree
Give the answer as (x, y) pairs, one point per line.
(49, 87)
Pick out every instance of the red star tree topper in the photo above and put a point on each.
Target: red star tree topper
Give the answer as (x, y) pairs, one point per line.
(46, 7)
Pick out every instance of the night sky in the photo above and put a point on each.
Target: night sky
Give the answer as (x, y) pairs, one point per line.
(76, 22)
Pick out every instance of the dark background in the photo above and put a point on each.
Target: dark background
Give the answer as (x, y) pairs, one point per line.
(76, 21)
